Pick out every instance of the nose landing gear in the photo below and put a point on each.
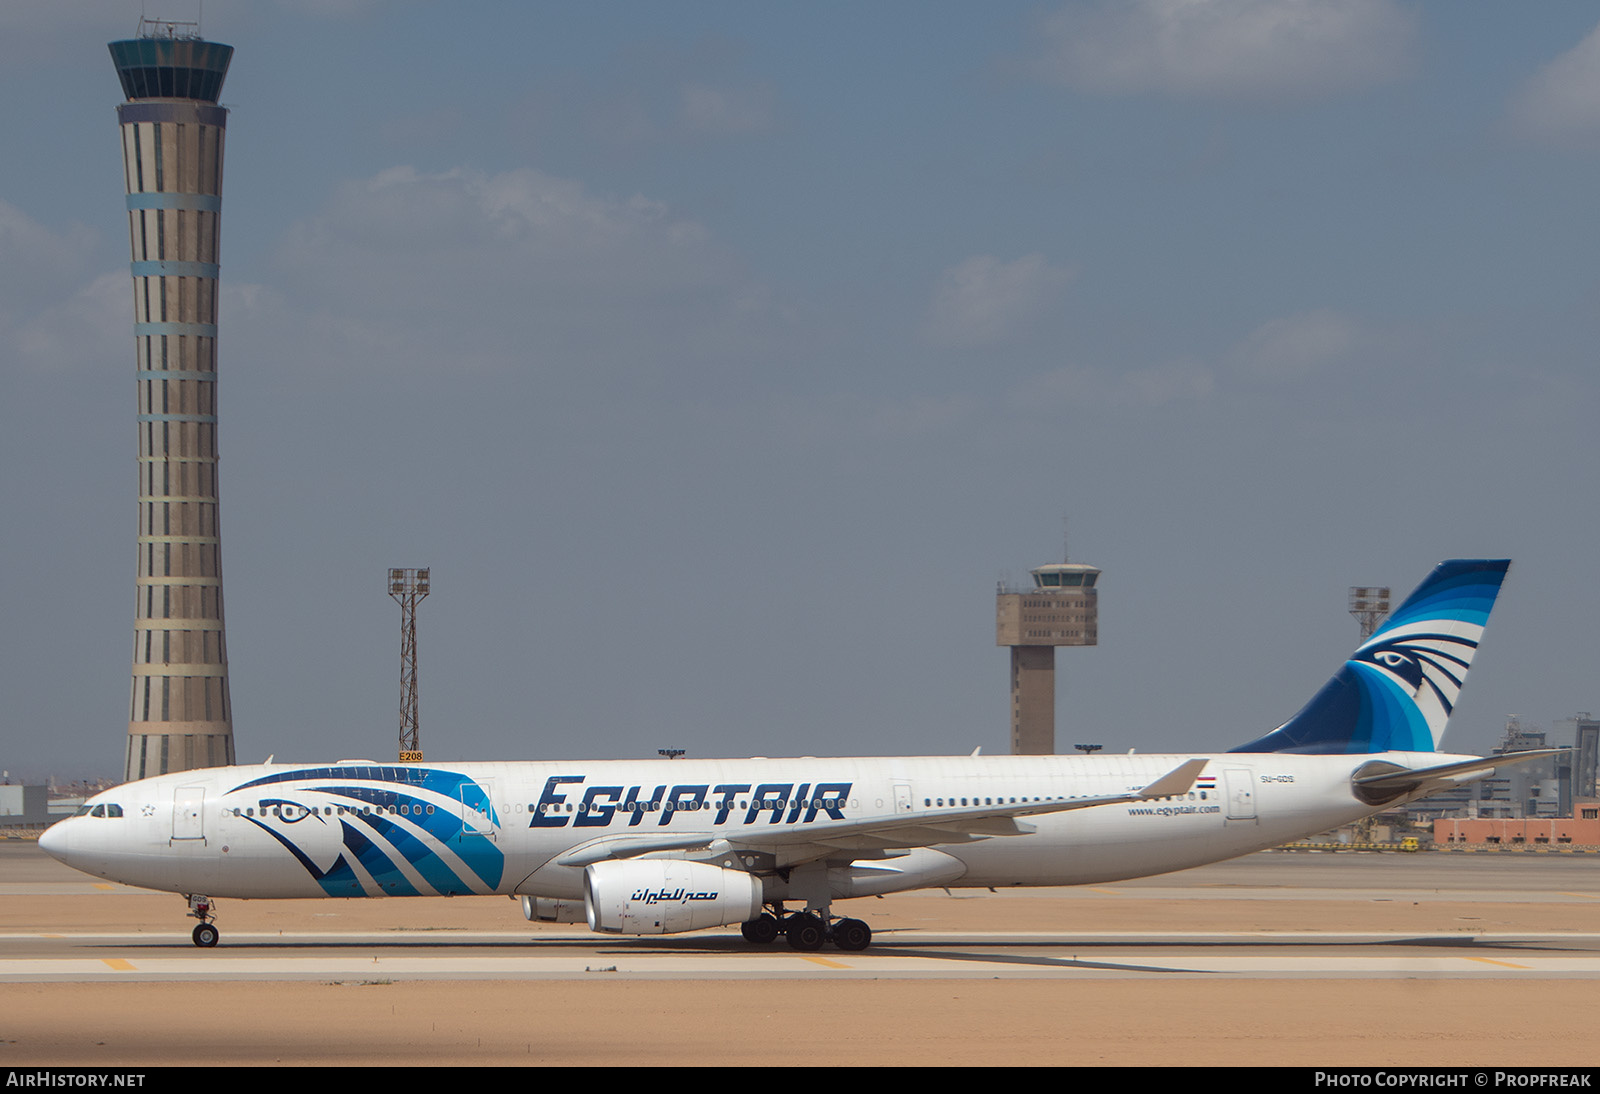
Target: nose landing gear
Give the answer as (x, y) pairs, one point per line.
(205, 933)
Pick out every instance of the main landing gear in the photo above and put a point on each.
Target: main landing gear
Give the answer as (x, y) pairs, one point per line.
(205, 933)
(807, 930)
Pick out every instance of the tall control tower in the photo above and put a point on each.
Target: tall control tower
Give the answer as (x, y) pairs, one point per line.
(1059, 609)
(180, 716)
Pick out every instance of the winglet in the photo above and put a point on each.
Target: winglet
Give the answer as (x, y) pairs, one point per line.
(1180, 780)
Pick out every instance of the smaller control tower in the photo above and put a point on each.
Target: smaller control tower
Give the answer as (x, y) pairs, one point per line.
(1060, 609)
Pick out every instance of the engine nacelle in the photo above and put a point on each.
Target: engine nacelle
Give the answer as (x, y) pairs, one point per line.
(665, 896)
(543, 909)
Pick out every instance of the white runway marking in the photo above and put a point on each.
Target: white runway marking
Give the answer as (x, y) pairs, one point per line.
(108, 958)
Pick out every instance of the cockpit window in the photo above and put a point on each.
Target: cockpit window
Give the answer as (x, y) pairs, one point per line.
(113, 810)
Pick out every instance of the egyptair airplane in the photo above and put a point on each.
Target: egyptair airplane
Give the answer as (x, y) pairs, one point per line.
(663, 846)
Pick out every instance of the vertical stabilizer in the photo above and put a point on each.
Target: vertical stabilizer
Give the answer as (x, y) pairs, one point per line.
(1397, 691)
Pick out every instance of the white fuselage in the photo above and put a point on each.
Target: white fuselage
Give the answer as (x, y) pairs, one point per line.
(369, 829)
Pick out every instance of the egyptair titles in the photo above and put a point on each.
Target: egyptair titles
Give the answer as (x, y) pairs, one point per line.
(561, 804)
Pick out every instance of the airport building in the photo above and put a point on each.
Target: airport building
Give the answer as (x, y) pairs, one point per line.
(1060, 608)
(180, 715)
(1580, 831)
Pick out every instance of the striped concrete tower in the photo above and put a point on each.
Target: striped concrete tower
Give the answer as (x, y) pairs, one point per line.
(180, 716)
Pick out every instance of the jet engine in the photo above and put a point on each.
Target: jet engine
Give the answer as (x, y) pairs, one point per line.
(665, 896)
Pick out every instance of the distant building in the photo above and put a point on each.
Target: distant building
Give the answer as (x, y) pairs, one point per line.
(24, 806)
(1581, 831)
(1585, 736)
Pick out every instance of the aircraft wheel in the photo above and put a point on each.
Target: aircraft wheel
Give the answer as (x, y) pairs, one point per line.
(762, 930)
(805, 932)
(206, 935)
(852, 934)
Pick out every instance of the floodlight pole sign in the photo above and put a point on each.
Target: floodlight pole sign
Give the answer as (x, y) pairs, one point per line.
(407, 587)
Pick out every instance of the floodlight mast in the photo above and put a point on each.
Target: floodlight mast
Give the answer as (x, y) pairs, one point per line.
(1370, 605)
(407, 587)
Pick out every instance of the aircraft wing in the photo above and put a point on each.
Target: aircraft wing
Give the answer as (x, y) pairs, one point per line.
(877, 836)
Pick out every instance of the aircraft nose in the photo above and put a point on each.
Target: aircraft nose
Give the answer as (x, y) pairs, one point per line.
(55, 841)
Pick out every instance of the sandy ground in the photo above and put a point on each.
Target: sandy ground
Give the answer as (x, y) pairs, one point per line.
(1170, 1021)
(656, 1023)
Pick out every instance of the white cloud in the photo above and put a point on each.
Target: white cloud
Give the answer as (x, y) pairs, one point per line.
(721, 112)
(423, 128)
(333, 9)
(478, 227)
(37, 257)
(1094, 391)
(1561, 103)
(1294, 347)
(675, 110)
(54, 313)
(507, 266)
(39, 36)
(89, 328)
(984, 300)
(922, 415)
(1225, 48)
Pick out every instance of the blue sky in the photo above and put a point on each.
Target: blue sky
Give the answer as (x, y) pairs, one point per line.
(719, 357)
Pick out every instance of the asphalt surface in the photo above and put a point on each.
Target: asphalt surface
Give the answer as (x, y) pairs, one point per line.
(1075, 933)
(1279, 958)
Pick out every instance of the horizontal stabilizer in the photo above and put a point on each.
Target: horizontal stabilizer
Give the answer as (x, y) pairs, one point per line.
(1381, 782)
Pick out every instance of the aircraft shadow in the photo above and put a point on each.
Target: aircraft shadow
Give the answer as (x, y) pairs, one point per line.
(1030, 951)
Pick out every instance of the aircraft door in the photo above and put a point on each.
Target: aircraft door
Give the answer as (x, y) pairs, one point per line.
(1240, 782)
(902, 798)
(477, 812)
(188, 813)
